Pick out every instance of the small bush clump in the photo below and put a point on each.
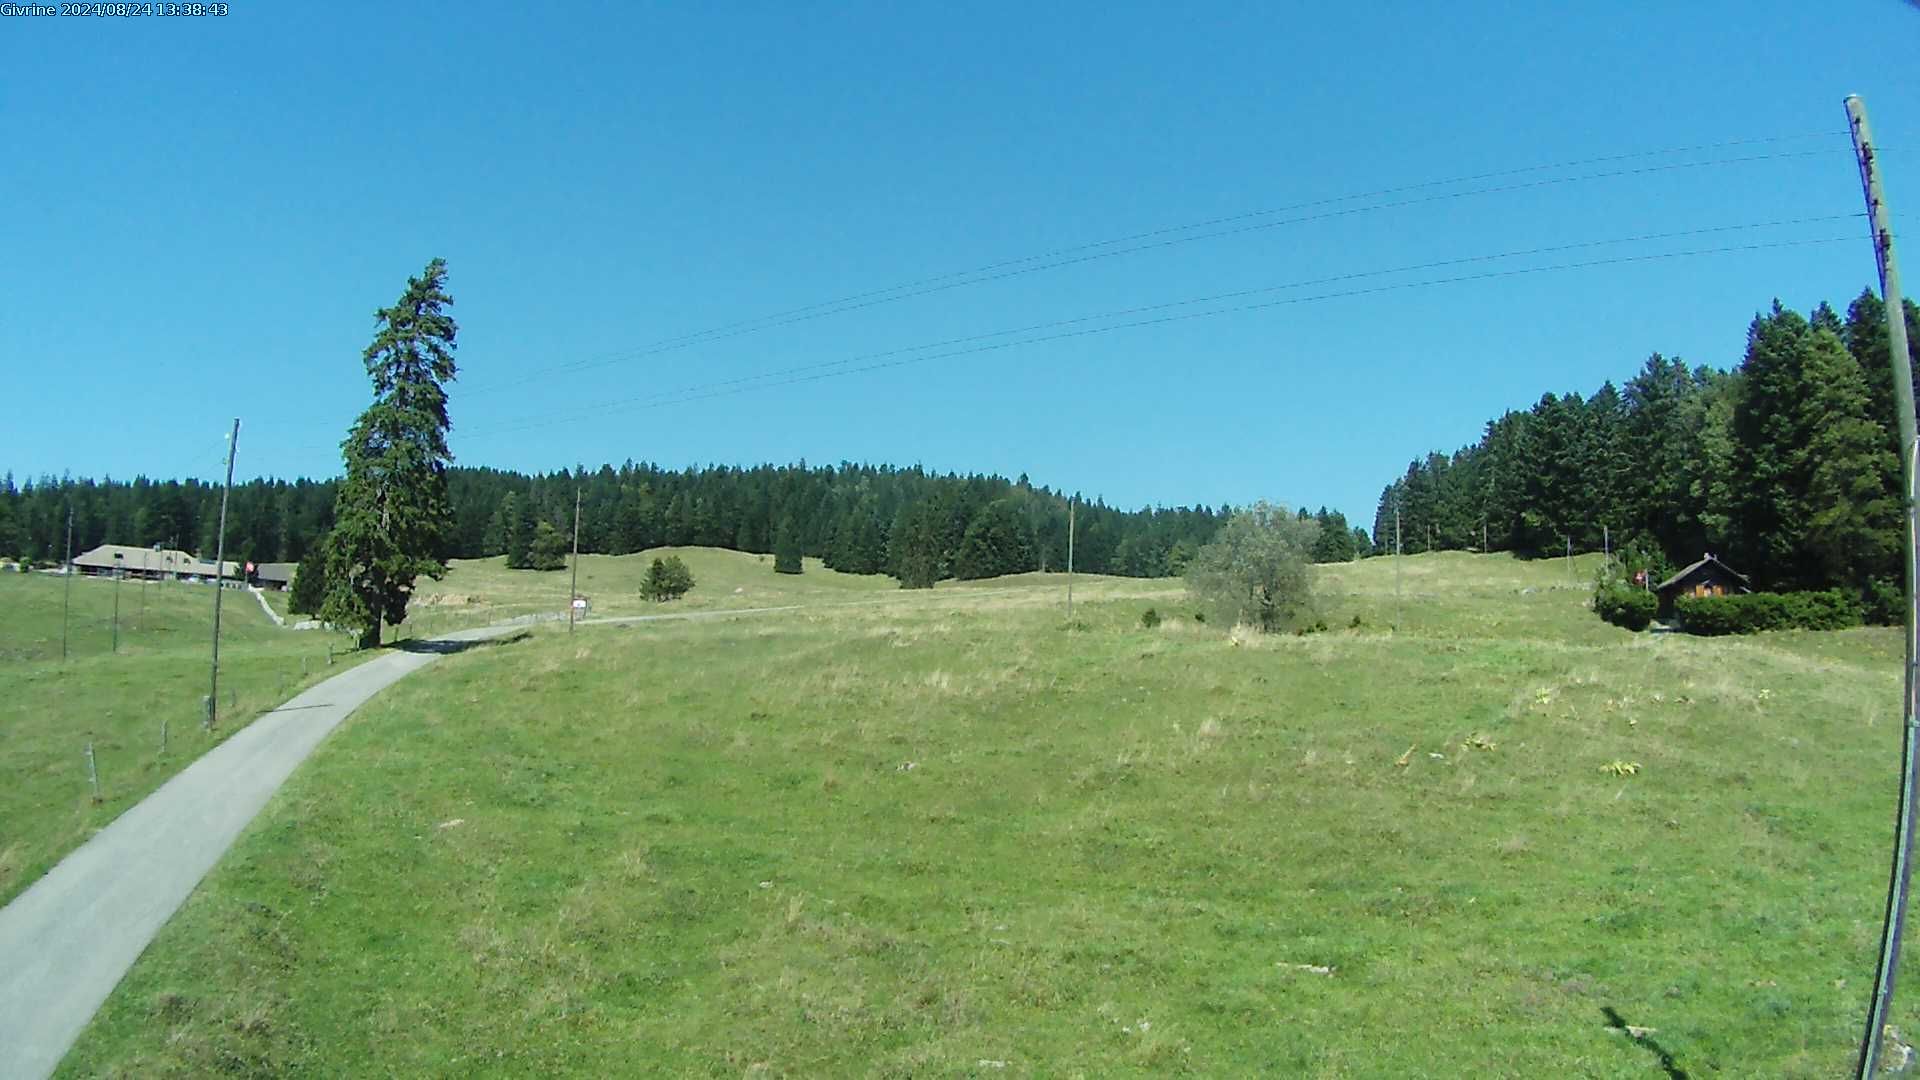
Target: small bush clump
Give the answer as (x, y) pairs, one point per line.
(1884, 603)
(1625, 606)
(666, 579)
(1149, 619)
(1752, 613)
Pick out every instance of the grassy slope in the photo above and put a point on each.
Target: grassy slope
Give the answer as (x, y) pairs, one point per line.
(277, 600)
(48, 710)
(480, 591)
(918, 838)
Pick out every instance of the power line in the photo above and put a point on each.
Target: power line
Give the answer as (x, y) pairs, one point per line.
(721, 390)
(1218, 297)
(1156, 239)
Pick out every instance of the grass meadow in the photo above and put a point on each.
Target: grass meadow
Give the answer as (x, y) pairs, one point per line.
(477, 592)
(952, 834)
(480, 592)
(49, 709)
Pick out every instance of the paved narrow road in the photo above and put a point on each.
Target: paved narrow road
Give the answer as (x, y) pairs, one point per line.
(67, 940)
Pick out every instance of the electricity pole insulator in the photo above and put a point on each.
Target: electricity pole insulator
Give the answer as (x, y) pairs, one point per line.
(1899, 354)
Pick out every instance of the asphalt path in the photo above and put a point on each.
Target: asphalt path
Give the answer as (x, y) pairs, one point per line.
(67, 940)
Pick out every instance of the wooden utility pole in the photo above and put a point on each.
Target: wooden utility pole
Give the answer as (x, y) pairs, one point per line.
(1069, 560)
(119, 571)
(66, 601)
(1899, 355)
(573, 591)
(1396, 564)
(219, 578)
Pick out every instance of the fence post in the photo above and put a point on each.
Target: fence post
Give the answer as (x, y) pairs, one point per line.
(93, 771)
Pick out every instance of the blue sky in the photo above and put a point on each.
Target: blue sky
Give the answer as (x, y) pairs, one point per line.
(202, 215)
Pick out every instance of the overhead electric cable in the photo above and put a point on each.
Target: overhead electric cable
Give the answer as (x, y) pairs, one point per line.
(807, 375)
(1088, 252)
(1217, 297)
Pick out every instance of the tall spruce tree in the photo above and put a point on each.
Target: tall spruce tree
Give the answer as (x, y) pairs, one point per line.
(786, 547)
(309, 590)
(913, 546)
(516, 529)
(548, 551)
(995, 544)
(1853, 525)
(392, 514)
(1771, 465)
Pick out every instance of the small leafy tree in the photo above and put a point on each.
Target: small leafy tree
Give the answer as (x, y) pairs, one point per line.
(548, 551)
(786, 548)
(1256, 569)
(666, 579)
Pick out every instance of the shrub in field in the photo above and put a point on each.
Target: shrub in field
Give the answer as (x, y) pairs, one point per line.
(1149, 618)
(1625, 606)
(1753, 613)
(1833, 609)
(1884, 603)
(1255, 571)
(666, 579)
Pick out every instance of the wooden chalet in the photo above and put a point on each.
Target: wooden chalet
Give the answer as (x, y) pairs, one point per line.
(1708, 577)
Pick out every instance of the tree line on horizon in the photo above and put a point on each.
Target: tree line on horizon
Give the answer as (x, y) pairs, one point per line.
(1786, 467)
(402, 510)
(863, 519)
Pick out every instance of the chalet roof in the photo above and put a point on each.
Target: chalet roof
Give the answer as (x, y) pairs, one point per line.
(1704, 561)
(161, 561)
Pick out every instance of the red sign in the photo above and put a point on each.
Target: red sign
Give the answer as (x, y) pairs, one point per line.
(249, 568)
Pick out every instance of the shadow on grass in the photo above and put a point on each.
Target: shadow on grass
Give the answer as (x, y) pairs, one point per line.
(1667, 1064)
(447, 647)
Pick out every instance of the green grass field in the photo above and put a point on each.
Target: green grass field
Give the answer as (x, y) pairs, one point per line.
(953, 835)
(49, 710)
(478, 592)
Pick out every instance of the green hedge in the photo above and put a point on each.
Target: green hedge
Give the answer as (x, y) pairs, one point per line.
(1752, 613)
(1624, 605)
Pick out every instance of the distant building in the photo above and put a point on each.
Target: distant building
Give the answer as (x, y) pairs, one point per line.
(1708, 577)
(274, 575)
(154, 564)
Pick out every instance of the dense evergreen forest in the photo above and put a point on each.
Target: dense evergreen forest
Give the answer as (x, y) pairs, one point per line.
(917, 525)
(1786, 467)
